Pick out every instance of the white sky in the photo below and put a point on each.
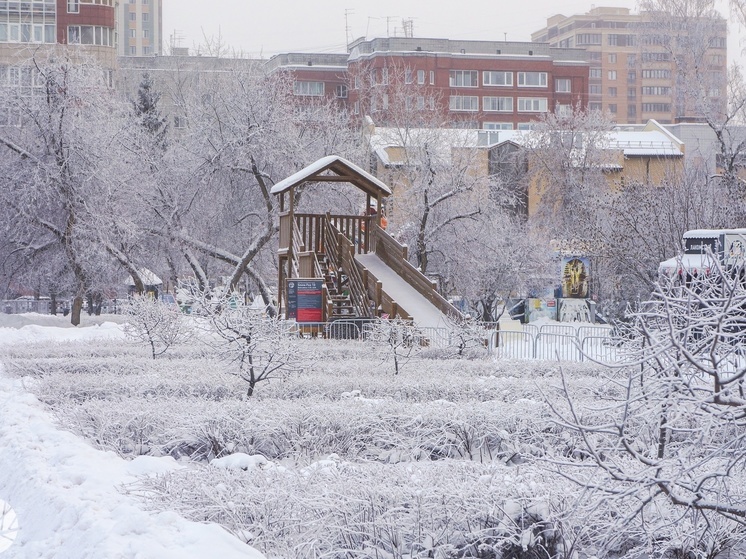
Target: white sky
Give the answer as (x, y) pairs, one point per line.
(262, 29)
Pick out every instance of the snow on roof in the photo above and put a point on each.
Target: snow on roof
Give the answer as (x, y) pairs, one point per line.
(651, 140)
(336, 164)
(711, 233)
(147, 277)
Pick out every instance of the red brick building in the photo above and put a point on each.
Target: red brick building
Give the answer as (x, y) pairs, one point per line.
(474, 84)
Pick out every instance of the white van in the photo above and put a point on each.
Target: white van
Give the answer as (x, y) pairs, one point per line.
(728, 246)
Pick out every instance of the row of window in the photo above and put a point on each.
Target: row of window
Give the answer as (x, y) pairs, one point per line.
(28, 33)
(470, 78)
(145, 16)
(470, 103)
(90, 35)
(73, 6)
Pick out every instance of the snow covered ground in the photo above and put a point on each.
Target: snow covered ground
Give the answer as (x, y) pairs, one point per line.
(66, 497)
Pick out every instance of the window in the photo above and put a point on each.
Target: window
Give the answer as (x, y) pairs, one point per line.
(526, 126)
(612, 40)
(656, 107)
(146, 50)
(421, 77)
(133, 50)
(407, 76)
(532, 104)
(631, 92)
(631, 111)
(421, 102)
(563, 109)
(594, 89)
(563, 85)
(588, 39)
(631, 60)
(145, 33)
(612, 58)
(468, 103)
(594, 56)
(612, 108)
(73, 6)
(73, 34)
(180, 122)
(498, 126)
(385, 75)
(384, 101)
(497, 78)
(432, 77)
(656, 74)
(463, 78)
(595, 73)
(612, 75)
(612, 92)
(532, 79)
(340, 91)
(594, 106)
(656, 90)
(656, 57)
(133, 16)
(311, 89)
(133, 33)
(497, 104)
(718, 43)
(146, 16)
(631, 76)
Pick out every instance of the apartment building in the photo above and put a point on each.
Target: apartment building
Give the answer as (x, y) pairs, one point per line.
(28, 28)
(636, 74)
(140, 27)
(27, 25)
(464, 84)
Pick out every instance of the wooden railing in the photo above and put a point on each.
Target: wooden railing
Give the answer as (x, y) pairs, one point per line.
(394, 255)
(340, 251)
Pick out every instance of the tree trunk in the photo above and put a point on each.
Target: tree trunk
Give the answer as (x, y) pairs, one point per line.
(75, 312)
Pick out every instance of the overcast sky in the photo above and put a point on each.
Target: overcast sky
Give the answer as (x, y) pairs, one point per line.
(264, 28)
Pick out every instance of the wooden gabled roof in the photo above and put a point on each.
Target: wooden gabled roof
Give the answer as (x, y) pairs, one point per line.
(335, 169)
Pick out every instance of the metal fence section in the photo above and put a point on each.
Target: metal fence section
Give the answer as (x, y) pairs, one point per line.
(561, 347)
(603, 349)
(513, 345)
(564, 330)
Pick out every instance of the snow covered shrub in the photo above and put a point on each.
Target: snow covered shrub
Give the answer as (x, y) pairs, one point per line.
(157, 324)
(261, 347)
(400, 340)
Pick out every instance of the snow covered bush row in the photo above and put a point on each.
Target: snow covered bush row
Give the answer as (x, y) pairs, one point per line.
(334, 508)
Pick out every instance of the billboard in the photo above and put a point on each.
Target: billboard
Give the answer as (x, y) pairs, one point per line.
(305, 300)
(575, 279)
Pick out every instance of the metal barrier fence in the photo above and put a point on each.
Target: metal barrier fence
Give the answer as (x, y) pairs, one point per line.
(549, 342)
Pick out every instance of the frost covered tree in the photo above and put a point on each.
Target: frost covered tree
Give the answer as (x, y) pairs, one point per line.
(66, 172)
(261, 348)
(662, 457)
(156, 324)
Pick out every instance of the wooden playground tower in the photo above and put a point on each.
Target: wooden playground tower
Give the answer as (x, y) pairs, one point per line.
(330, 247)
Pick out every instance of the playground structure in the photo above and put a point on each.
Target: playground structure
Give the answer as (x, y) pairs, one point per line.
(348, 265)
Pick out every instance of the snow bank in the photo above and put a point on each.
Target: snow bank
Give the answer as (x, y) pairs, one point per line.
(69, 498)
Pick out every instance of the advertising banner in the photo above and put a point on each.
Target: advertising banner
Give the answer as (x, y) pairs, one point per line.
(576, 277)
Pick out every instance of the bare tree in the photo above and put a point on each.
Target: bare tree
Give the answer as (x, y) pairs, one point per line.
(662, 458)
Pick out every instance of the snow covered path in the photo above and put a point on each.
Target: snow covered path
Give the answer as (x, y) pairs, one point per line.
(422, 311)
(67, 495)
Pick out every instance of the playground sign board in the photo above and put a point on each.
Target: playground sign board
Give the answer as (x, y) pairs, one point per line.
(305, 301)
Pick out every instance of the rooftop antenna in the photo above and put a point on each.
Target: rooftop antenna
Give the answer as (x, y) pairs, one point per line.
(408, 25)
(348, 11)
(176, 38)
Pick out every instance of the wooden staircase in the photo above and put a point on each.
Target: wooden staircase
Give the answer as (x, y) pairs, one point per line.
(337, 285)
